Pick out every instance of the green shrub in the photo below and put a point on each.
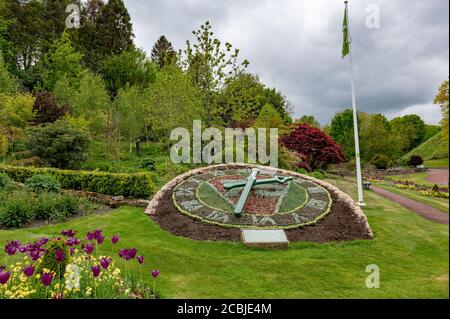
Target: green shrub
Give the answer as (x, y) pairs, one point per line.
(147, 163)
(43, 183)
(5, 181)
(128, 185)
(44, 206)
(380, 161)
(51, 206)
(67, 205)
(317, 174)
(16, 211)
(48, 260)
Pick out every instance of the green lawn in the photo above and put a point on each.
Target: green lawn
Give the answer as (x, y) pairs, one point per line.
(435, 148)
(412, 254)
(418, 178)
(438, 203)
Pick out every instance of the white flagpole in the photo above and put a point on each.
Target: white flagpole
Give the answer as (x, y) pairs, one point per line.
(355, 121)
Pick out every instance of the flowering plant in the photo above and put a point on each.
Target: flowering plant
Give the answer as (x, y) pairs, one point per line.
(77, 270)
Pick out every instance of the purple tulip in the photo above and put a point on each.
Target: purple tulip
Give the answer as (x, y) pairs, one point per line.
(47, 278)
(155, 273)
(59, 255)
(69, 233)
(128, 254)
(140, 259)
(94, 235)
(11, 247)
(115, 239)
(105, 262)
(72, 251)
(100, 239)
(28, 271)
(72, 241)
(59, 296)
(95, 271)
(132, 253)
(42, 241)
(23, 249)
(35, 254)
(88, 248)
(4, 276)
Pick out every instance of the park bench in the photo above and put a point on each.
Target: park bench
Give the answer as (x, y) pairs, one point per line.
(366, 185)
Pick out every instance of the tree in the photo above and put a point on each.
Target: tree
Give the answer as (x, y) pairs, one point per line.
(210, 65)
(410, 131)
(60, 144)
(46, 109)
(61, 61)
(131, 67)
(130, 106)
(243, 98)
(317, 148)
(172, 101)
(441, 99)
(163, 52)
(7, 82)
(115, 31)
(268, 118)
(341, 130)
(308, 119)
(376, 138)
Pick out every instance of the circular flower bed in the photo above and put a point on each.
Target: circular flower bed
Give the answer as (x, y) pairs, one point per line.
(270, 205)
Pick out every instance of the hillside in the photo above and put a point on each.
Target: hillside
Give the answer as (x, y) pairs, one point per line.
(435, 149)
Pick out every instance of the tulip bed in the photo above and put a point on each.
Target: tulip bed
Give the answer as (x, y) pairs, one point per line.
(67, 267)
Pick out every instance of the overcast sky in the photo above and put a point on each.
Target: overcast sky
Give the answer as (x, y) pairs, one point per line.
(295, 46)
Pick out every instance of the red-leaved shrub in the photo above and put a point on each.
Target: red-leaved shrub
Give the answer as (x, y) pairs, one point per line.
(316, 147)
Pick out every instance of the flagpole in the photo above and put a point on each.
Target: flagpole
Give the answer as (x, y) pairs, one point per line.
(355, 121)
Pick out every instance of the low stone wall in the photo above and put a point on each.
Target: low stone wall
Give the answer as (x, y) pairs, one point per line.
(342, 197)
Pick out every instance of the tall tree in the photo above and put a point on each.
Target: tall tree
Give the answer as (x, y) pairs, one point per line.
(61, 61)
(441, 99)
(7, 82)
(130, 67)
(310, 120)
(163, 52)
(210, 64)
(410, 130)
(341, 130)
(115, 28)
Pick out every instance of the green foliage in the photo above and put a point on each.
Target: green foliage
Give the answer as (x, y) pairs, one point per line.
(376, 137)
(308, 119)
(268, 118)
(49, 261)
(7, 82)
(51, 206)
(5, 181)
(410, 131)
(147, 163)
(16, 211)
(43, 183)
(16, 110)
(61, 144)
(341, 130)
(172, 101)
(131, 67)
(163, 52)
(61, 61)
(441, 99)
(210, 65)
(128, 185)
(243, 98)
(430, 131)
(380, 161)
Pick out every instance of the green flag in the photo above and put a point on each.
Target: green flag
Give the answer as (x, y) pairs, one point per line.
(346, 42)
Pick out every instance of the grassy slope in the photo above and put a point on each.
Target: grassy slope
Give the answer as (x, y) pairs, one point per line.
(435, 148)
(438, 203)
(412, 254)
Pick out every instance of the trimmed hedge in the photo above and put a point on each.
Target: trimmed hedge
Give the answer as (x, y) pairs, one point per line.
(138, 185)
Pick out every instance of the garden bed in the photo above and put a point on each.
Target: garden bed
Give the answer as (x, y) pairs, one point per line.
(340, 224)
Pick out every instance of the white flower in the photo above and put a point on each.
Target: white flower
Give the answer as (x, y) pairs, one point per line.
(73, 278)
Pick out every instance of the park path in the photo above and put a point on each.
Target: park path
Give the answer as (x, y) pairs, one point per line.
(438, 175)
(426, 211)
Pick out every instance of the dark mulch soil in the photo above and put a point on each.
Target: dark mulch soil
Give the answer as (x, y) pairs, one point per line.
(339, 225)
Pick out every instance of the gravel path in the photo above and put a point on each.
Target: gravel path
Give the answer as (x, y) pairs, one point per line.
(426, 211)
(438, 175)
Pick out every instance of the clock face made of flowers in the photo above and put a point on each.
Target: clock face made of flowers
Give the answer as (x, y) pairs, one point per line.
(288, 202)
